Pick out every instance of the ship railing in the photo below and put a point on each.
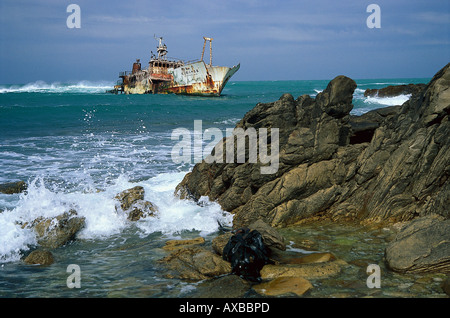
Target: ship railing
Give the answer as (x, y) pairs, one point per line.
(192, 61)
(125, 73)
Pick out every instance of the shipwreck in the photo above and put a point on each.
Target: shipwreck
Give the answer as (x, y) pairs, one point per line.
(165, 76)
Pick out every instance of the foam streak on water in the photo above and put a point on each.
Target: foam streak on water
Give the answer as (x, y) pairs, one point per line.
(43, 87)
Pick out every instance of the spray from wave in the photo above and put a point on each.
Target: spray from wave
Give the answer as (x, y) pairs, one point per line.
(86, 87)
(102, 219)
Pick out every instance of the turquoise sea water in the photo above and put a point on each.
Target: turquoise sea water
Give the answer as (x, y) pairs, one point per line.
(77, 147)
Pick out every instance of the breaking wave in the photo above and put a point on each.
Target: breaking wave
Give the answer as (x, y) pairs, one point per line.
(388, 101)
(44, 200)
(43, 87)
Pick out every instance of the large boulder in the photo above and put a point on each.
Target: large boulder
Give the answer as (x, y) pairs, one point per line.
(390, 165)
(421, 246)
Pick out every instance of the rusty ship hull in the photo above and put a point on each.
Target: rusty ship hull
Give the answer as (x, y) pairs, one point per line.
(164, 76)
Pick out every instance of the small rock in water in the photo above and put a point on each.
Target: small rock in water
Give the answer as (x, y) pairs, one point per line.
(132, 202)
(284, 285)
(40, 257)
(57, 231)
(13, 187)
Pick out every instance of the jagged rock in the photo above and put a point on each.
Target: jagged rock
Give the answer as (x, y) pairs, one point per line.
(132, 202)
(421, 246)
(39, 257)
(395, 90)
(195, 263)
(391, 164)
(128, 197)
(13, 187)
(57, 231)
(364, 126)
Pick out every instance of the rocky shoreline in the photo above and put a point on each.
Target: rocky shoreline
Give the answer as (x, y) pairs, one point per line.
(388, 168)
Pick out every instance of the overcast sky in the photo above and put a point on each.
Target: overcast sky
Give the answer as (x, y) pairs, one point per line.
(273, 40)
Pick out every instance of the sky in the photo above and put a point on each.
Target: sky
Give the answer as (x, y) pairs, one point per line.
(272, 40)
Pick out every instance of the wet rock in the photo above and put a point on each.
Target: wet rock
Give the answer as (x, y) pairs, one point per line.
(308, 271)
(39, 257)
(57, 231)
(176, 244)
(284, 285)
(446, 286)
(271, 237)
(195, 263)
(141, 210)
(132, 202)
(421, 246)
(128, 197)
(395, 90)
(13, 187)
(219, 242)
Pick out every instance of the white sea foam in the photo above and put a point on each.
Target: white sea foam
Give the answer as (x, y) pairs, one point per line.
(43, 87)
(387, 101)
(102, 220)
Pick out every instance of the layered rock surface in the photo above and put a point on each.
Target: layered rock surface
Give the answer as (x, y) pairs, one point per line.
(387, 165)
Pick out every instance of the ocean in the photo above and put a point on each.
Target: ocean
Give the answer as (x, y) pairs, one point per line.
(77, 146)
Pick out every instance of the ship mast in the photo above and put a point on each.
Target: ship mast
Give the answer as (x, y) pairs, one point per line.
(161, 49)
(210, 49)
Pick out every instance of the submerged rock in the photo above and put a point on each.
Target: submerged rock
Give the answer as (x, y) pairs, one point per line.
(421, 246)
(39, 257)
(284, 285)
(390, 165)
(228, 286)
(195, 263)
(308, 271)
